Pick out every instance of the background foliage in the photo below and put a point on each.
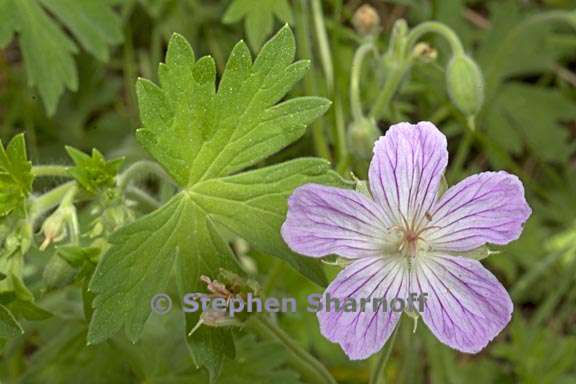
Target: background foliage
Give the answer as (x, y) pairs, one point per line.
(68, 71)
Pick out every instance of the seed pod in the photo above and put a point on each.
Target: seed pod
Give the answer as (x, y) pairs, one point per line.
(366, 20)
(465, 84)
(361, 137)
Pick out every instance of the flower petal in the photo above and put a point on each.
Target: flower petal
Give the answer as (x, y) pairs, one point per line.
(466, 305)
(325, 220)
(485, 208)
(364, 332)
(406, 170)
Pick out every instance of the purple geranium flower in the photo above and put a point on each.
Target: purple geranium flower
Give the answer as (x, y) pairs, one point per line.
(408, 239)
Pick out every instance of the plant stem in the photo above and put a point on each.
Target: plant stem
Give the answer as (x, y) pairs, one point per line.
(140, 168)
(377, 376)
(50, 170)
(356, 70)
(264, 325)
(461, 155)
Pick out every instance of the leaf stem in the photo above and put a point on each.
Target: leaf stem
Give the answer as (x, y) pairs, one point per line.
(265, 325)
(50, 170)
(377, 376)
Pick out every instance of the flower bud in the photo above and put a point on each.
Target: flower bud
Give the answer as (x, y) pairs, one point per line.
(54, 228)
(366, 20)
(361, 137)
(465, 84)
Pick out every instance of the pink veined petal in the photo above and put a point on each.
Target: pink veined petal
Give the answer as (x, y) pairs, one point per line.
(466, 305)
(325, 220)
(363, 333)
(485, 208)
(406, 170)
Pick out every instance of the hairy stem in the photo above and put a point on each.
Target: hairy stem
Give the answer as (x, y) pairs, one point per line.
(139, 169)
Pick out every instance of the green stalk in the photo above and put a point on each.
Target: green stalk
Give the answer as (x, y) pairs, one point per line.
(264, 325)
(377, 376)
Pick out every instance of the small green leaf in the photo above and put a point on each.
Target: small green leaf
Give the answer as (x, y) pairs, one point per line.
(15, 175)
(93, 173)
(9, 327)
(258, 17)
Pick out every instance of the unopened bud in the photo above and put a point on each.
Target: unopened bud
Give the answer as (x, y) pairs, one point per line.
(361, 137)
(366, 20)
(54, 228)
(465, 84)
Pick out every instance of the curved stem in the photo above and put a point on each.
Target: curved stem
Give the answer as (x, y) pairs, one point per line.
(356, 70)
(140, 168)
(377, 376)
(264, 324)
(50, 170)
(438, 28)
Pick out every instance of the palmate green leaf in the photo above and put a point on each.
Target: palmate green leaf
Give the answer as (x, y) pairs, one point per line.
(15, 175)
(529, 115)
(93, 173)
(203, 136)
(258, 17)
(47, 49)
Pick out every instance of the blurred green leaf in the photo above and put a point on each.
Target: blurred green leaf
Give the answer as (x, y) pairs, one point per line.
(258, 17)
(47, 49)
